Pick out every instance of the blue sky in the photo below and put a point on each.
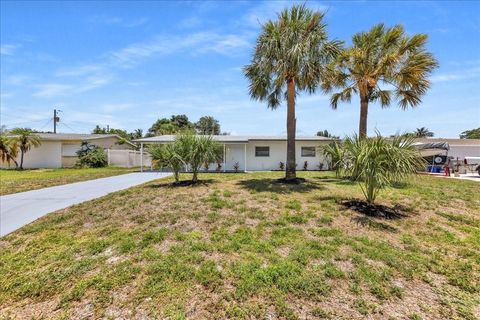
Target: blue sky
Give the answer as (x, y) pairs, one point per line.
(127, 64)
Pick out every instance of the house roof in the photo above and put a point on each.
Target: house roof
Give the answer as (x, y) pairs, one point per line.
(451, 142)
(234, 139)
(78, 136)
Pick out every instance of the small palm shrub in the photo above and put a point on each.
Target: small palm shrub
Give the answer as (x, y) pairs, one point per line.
(168, 156)
(335, 153)
(8, 149)
(25, 139)
(91, 156)
(197, 150)
(305, 166)
(236, 167)
(378, 162)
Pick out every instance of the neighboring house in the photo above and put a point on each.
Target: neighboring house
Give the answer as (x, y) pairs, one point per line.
(58, 150)
(258, 153)
(459, 148)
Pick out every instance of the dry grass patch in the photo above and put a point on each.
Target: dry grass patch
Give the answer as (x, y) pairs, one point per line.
(13, 181)
(245, 246)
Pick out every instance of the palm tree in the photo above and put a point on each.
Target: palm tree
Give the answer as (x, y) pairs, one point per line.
(8, 149)
(26, 139)
(423, 133)
(196, 150)
(169, 156)
(290, 56)
(381, 64)
(379, 162)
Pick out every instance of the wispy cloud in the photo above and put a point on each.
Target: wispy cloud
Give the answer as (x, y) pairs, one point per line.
(199, 42)
(460, 75)
(8, 49)
(118, 21)
(267, 10)
(16, 80)
(61, 89)
(116, 107)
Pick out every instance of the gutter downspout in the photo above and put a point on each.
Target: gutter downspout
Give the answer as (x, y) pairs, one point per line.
(245, 157)
(141, 157)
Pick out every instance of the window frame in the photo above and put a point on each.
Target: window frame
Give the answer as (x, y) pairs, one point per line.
(262, 156)
(308, 156)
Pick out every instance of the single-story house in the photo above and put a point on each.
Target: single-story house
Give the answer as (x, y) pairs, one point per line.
(259, 153)
(58, 150)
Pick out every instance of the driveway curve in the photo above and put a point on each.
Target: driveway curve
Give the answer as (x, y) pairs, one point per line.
(19, 209)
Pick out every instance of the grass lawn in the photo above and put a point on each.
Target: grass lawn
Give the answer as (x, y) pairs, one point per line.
(13, 181)
(243, 246)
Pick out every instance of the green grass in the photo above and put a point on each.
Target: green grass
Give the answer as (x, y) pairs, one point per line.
(243, 246)
(13, 181)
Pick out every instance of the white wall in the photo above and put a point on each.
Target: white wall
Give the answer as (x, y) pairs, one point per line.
(234, 153)
(47, 155)
(278, 152)
(464, 151)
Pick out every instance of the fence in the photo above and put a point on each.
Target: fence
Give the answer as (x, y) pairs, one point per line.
(128, 158)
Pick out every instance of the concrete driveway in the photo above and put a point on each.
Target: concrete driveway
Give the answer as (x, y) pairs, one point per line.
(19, 209)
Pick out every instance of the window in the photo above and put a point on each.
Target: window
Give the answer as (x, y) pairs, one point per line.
(308, 151)
(262, 151)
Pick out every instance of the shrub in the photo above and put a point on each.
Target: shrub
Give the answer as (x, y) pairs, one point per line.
(236, 166)
(305, 165)
(335, 153)
(282, 166)
(196, 150)
(168, 156)
(91, 156)
(378, 162)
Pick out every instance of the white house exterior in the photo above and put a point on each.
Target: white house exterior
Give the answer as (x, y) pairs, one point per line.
(260, 153)
(58, 150)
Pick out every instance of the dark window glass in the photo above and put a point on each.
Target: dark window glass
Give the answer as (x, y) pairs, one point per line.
(262, 151)
(308, 151)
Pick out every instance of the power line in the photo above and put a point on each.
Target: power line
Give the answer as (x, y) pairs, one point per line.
(24, 122)
(47, 123)
(66, 125)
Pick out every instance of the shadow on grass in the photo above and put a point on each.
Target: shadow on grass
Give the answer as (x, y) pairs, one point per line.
(277, 186)
(338, 181)
(180, 184)
(400, 185)
(376, 210)
(369, 222)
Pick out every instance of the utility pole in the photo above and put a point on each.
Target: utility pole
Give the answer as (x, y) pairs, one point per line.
(55, 120)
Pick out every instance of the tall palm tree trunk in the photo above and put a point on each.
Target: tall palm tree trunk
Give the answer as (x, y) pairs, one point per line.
(290, 173)
(362, 130)
(21, 160)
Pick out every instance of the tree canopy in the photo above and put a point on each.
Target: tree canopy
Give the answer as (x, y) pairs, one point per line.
(381, 65)
(470, 134)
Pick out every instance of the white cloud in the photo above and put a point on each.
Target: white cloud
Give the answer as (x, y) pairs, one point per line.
(268, 10)
(116, 107)
(60, 89)
(117, 21)
(199, 42)
(8, 49)
(188, 23)
(16, 80)
(52, 89)
(78, 70)
(457, 75)
(4, 95)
